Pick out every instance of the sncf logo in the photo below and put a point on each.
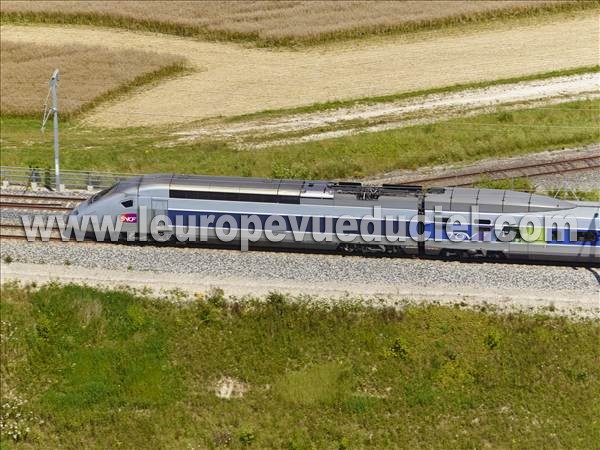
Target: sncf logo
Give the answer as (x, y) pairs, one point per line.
(128, 218)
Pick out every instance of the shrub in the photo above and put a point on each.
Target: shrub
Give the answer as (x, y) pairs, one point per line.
(399, 348)
(216, 297)
(295, 171)
(276, 299)
(491, 341)
(246, 438)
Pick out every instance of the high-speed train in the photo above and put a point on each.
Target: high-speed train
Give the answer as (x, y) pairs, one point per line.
(388, 219)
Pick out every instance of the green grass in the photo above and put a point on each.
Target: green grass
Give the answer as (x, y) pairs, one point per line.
(526, 185)
(517, 184)
(142, 150)
(255, 38)
(107, 369)
(590, 196)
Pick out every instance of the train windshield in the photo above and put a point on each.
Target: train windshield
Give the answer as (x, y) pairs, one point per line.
(97, 196)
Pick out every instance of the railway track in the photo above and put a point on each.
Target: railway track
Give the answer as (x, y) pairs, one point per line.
(566, 165)
(64, 198)
(28, 202)
(460, 178)
(39, 206)
(38, 202)
(16, 232)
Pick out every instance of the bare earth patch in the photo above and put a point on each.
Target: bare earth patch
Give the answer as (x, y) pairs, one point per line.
(228, 387)
(234, 80)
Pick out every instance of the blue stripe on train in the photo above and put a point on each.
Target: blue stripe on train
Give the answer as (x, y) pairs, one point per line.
(318, 225)
(311, 223)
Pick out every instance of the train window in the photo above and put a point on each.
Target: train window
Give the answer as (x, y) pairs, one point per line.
(101, 194)
(199, 195)
(234, 196)
(483, 222)
(127, 203)
(263, 198)
(587, 236)
(288, 199)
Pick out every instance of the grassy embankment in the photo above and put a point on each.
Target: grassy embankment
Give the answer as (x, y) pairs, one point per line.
(284, 24)
(453, 141)
(112, 369)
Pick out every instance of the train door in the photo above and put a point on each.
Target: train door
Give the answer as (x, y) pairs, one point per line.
(536, 238)
(517, 246)
(159, 207)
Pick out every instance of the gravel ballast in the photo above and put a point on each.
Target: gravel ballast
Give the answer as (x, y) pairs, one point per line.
(258, 272)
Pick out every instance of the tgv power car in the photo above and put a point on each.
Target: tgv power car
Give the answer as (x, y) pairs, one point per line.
(309, 215)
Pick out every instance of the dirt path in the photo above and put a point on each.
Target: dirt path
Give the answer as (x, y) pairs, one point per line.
(567, 302)
(314, 126)
(233, 80)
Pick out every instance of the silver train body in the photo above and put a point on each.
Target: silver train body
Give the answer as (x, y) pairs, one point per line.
(202, 196)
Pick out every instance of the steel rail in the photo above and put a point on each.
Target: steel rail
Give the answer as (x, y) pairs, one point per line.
(44, 197)
(528, 170)
(46, 206)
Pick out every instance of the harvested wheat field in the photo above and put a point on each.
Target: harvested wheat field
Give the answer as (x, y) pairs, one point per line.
(233, 80)
(87, 74)
(277, 22)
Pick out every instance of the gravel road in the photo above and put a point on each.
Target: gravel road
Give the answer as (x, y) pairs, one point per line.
(256, 273)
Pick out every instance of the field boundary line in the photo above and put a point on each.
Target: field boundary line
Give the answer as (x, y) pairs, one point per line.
(353, 33)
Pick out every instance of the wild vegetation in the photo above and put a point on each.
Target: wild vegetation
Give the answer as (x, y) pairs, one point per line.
(147, 150)
(88, 76)
(577, 194)
(272, 23)
(85, 367)
(526, 185)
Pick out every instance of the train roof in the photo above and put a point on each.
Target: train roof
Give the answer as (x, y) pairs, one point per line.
(495, 201)
(449, 199)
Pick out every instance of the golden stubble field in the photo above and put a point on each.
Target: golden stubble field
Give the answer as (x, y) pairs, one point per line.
(87, 72)
(277, 22)
(233, 80)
